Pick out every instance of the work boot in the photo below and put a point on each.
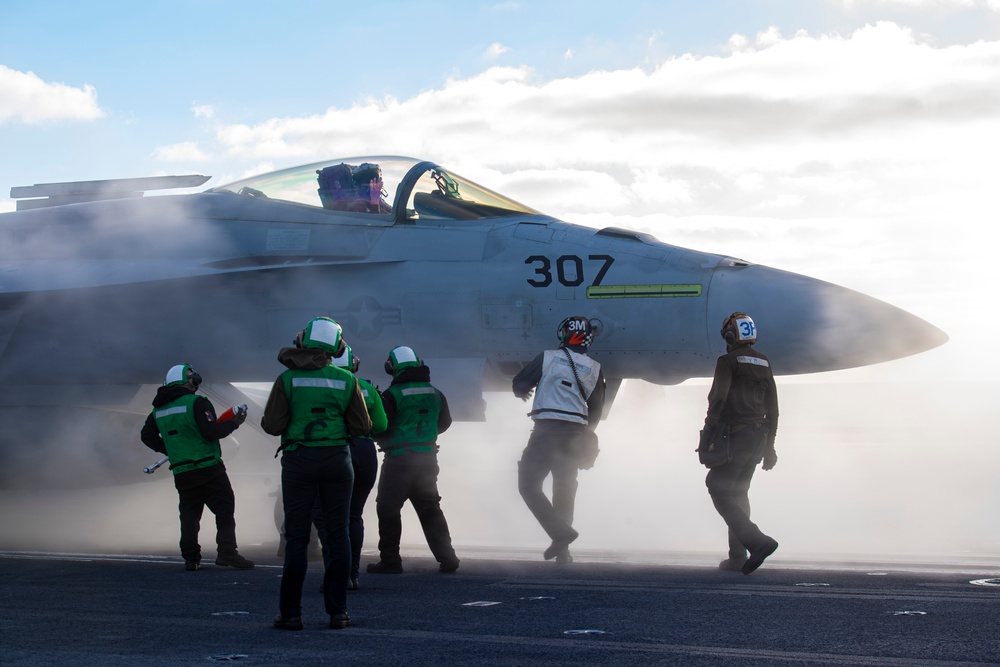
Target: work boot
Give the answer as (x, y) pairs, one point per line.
(560, 544)
(757, 555)
(564, 558)
(192, 564)
(733, 564)
(385, 567)
(287, 622)
(339, 621)
(234, 560)
(448, 567)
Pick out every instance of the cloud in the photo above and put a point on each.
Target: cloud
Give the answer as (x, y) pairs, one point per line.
(495, 51)
(869, 122)
(993, 5)
(25, 98)
(187, 151)
(202, 110)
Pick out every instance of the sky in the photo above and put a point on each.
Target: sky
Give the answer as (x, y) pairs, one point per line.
(850, 140)
(854, 141)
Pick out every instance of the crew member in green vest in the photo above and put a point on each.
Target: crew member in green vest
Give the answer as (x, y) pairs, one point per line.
(417, 413)
(364, 459)
(184, 426)
(315, 407)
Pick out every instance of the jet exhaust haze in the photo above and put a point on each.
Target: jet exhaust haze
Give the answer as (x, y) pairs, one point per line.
(866, 472)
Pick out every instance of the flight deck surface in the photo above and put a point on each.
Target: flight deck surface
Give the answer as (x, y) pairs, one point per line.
(144, 609)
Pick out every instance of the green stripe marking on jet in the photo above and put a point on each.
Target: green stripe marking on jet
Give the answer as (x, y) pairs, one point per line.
(641, 291)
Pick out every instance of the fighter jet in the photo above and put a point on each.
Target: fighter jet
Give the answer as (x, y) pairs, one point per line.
(103, 289)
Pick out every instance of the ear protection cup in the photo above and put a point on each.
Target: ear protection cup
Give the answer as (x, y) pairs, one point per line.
(728, 332)
(388, 367)
(341, 346)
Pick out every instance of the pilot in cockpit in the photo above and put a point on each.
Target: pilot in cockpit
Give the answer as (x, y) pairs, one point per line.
(344, 187)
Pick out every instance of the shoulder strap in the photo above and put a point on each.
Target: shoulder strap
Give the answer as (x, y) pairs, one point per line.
(579, 385)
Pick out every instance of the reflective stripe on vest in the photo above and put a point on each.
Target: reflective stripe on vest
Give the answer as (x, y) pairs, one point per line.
(323, 383)
(414, 391)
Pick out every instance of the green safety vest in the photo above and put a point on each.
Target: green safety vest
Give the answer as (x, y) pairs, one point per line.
(418, 406)
(317, 402)
(187, 448)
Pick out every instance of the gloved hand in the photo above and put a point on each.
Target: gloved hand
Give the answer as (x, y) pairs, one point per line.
(527, 396)
(239, 417)
(770, 458)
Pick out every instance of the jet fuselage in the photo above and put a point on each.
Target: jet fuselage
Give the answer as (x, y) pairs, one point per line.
(100, 298)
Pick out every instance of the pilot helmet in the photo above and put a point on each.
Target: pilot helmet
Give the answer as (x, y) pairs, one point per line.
(181, 374)
(401, 358)
(347, 360)
(739, 329)
(324, 334)
(365, 173)
(576, 330)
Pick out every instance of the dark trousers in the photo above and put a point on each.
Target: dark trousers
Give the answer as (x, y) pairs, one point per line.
(364, 459)
(729, 487)
(551, 450)
(411, 476)
(308, 473)
(217, 494)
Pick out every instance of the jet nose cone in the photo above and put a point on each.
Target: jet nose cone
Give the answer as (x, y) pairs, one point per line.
(807, 325)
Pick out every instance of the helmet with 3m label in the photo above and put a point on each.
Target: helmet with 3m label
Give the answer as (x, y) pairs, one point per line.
(739, 329)
(576, 330)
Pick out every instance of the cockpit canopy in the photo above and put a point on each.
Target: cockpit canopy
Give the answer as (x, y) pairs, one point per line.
(400, 188)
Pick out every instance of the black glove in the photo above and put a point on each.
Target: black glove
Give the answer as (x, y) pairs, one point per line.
(239, 417)
(770, 458)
